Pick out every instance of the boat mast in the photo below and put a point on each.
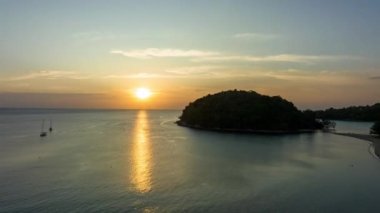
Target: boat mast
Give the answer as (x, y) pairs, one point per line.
(43, 134)
(43, 124)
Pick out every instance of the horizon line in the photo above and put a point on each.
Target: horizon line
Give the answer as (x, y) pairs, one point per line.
(89, 109)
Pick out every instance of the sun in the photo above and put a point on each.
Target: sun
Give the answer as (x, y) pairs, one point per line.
(143, 93)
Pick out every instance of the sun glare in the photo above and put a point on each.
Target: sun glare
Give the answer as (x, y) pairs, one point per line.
(142, 93)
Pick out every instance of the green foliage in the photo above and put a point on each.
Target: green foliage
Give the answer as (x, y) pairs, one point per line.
(375, 129)
(247, 110)
(359, 113)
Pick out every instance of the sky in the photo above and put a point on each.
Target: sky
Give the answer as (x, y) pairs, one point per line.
(94, 54)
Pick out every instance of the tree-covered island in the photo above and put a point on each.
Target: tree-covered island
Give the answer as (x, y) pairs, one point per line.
(247, 111)
(352, 113)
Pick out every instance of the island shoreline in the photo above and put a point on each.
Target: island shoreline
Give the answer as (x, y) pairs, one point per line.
(365, 137)
(247, 131)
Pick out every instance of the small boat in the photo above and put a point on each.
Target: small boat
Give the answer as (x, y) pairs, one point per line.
(51, 126)
(42, 134)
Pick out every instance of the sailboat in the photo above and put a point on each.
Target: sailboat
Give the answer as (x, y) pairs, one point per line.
(51, 126)
(42, 134)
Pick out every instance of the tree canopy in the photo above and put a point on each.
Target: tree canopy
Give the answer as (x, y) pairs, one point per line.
(246, 110)
(355, 113)
(375, 129)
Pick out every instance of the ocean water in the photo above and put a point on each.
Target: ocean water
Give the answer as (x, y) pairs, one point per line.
(140, 161)
(353, 127)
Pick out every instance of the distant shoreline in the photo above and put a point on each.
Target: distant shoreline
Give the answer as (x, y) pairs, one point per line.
(365, 137)
(247, 131)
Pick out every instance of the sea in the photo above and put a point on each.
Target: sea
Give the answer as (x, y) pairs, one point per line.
(141, 161)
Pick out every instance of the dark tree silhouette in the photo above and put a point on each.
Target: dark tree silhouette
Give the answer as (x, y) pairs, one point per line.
(246, 110)
(375, 129)
(355, 113)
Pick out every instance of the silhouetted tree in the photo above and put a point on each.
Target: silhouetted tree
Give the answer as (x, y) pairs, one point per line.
(328, 125)
(375, 129)
(360, 113)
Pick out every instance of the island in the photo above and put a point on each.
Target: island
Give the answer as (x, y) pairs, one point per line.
(352, 113)
(247, 111)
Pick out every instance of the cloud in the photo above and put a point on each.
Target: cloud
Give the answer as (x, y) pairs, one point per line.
(141, 75)
(168, 75)
(276, 58)
(193, 70)
(180, 72)
(374, 78)
(254, 36)
(207, 56)
(161, 53)
(45, 74)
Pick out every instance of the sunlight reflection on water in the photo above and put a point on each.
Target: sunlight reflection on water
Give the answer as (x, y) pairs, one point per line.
(141, 155)
(141, 161)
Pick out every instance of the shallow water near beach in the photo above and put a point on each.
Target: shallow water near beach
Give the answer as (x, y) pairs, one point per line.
(117, 161)
(353, 127)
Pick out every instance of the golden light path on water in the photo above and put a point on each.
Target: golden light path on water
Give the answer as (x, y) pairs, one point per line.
(141, 155)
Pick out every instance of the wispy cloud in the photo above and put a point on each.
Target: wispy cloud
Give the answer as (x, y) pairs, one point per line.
(141, 75)
(276, 58)
(374, 78)
(254, 36)
(46, 74)
(161, 53)
(180, 72)
(166, 75)
(193, 70)
(209, 56)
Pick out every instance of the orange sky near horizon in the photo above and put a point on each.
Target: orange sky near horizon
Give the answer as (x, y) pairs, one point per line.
(175, 93)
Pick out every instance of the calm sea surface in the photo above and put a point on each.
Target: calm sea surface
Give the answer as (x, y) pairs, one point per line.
(127, 161)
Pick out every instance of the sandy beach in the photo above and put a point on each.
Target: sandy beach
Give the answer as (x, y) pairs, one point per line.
(365, 137)
(370, 138)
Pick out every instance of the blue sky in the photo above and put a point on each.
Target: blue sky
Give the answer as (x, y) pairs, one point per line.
(291, 48)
